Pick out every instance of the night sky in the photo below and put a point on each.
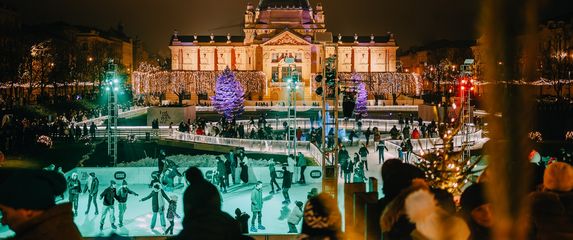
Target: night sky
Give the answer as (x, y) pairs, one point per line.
(414, 22)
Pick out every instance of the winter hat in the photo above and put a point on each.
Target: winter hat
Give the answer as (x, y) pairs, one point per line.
(298, 203)
(473, 197)
(92, 174)
(124, 183)
(30, 189)
(321, 217)
(558, 177)
(399, 177)
(431, 221)
(112, 182)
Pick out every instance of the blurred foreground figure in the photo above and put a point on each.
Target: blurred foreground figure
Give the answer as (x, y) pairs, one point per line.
(28, 205)
(552, 208)
(202, 208)
(321, 219)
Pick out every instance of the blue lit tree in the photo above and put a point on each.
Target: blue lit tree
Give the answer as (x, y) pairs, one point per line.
(229, 99)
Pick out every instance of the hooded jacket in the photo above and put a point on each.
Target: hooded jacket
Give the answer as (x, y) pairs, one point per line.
(108, 196)
(257, 200)
(54, 224)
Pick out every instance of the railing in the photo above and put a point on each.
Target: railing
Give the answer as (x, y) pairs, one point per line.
(316, 154)
(139, 131)
(256, 145)
(279, 107)
(122, 114)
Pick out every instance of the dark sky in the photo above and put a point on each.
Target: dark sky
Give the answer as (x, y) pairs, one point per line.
(413, 21)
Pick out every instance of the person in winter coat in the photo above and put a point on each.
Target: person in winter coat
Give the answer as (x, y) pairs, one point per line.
(301, 162)
(287, 182)
(415, 133)
(394, 132)
(380, 149)
(243, 219)
(291, 166)
(157, 197)
(222, 173)
(108, 195)
(257, 206)
(232, 158)
(432, 222)
(321, 219)
(294, 217)
(552, 208)
(203, 218)
(364, 155)
(34, 214)
(477, 211)
(273, 174)
(359, 172)
(122, 194)
(171, 214)
(74, 190)
(92, 187)
(347, 168)
(367, 134)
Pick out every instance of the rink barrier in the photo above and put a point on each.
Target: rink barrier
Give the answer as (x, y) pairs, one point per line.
(142, 175)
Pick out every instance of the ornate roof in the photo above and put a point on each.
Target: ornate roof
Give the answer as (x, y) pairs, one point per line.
(300, 4)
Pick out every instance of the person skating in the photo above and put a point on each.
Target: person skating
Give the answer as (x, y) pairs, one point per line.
(160, 163)
(273, 174)
(344, 157)
(394, 132)
(367, 134)
(233, 160)
(257, 206)
(359, 172)
(74, 190)
(171, 214)
(222, 174)
(92, 188)
(380, 149)
(347, 168)
(243, 219)
(108, 195)
(302, 164)
(93, 128)
(122, 194)
(287, 182)
(294, 217)
(157, 197)
(364, 155)
(291, 165)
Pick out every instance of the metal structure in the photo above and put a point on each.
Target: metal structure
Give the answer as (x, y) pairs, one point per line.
(467, 87)
(329, 114)
(112, 86)
(292, 81)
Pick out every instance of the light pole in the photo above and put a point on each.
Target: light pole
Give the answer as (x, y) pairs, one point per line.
(292, 85)
(112, 87)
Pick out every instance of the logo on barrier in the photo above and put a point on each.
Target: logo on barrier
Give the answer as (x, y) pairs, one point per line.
(119, 175)
(280, 174)
(209, 174)
(315, 174)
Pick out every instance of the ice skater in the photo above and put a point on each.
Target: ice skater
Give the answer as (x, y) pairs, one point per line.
(108, 195)
(287, 182)
(364, 155)
(273, 174)
(233, 161)
(171, 214)
(302, 164)
(257, 206)
(92, 187)
(122, 194)
(74, 190)
(295, 217)
(222, 175)
(157, 196)
(380, 149)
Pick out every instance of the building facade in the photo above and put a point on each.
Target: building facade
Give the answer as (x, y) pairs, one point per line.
(284, 39)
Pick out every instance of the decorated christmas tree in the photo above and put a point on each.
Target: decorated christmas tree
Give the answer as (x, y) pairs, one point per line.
(229, 98)
(360, 110)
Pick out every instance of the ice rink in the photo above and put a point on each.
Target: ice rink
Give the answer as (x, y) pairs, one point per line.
(138, 214)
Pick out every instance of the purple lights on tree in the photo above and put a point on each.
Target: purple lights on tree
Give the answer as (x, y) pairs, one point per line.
(229, 98)
(361, 110)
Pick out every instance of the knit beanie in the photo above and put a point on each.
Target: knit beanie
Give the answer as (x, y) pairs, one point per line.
(558, 177)
(473, 197)
(30, 189)
(321, 217)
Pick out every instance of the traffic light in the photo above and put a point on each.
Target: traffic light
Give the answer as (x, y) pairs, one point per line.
(318, 80)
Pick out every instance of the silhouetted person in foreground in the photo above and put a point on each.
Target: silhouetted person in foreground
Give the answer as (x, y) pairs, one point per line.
(321, 219)
(203, 217)
(28, 206)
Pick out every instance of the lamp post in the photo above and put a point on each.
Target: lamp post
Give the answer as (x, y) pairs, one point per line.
(112, 86)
